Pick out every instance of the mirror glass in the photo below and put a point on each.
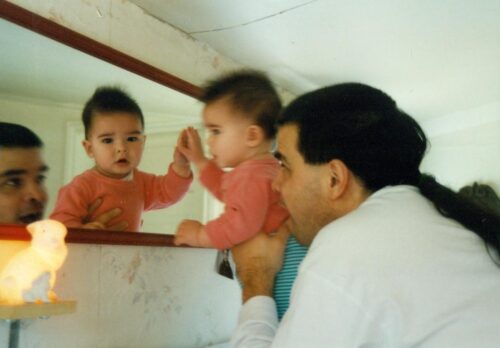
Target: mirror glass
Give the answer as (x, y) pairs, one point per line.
(44, 85)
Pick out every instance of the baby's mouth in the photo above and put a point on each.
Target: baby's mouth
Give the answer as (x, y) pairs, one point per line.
(122, 161)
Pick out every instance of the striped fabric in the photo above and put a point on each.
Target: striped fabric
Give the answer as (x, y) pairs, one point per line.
(294, 253)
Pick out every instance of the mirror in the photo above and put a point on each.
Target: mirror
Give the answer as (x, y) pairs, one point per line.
(45, 84)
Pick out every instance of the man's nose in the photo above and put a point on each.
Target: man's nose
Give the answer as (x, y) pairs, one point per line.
(35, 191)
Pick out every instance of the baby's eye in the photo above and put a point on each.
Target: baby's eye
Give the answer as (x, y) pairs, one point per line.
(107, 140)
(133, 139)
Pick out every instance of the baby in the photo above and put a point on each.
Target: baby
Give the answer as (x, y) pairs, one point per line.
(114, 138)
(240, 113)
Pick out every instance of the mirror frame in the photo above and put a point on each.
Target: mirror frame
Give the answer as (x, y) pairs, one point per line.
(29, 20)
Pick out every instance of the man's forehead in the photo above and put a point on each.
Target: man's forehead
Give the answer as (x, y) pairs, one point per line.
(287, 139)
(21, 159)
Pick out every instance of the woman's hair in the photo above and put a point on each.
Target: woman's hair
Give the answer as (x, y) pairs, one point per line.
(382, 145)
(250, 92)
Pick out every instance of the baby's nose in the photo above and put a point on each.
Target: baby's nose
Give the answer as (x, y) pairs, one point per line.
(121, 146)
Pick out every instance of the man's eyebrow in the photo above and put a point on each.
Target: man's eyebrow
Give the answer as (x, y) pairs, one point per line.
(13, 172)
(17, 172)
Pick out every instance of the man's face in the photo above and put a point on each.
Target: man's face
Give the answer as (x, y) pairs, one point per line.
(22, 185)
(303, 187)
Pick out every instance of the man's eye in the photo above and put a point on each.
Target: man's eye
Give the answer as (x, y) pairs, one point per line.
(215, 131)
(283, 166)
(106, 140)
(13, 182)
(40, 179)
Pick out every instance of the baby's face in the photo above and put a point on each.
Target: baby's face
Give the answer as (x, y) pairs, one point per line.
(116, 143)
(227, 133)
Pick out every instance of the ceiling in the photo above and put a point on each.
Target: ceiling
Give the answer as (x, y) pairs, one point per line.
(434, 57)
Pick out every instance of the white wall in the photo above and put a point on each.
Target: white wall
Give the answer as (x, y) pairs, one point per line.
(465, 147)
(129, 296)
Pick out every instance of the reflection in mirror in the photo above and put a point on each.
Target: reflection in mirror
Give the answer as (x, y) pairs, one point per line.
(44, 85)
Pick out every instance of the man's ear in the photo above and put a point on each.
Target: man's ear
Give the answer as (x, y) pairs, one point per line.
(88, 148)
(339, 176)
(254, 135)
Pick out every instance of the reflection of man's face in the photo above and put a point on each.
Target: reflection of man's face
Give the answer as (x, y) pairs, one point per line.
(22, 188)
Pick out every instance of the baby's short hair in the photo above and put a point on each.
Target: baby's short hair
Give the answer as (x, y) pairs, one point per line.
(249, 91)
(109, 99)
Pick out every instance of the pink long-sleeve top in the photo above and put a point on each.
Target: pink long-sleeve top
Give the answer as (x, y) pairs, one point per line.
(144, 192)
(251, 205)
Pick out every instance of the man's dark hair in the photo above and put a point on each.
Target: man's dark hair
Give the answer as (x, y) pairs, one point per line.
(382, 145)
(108, 99)
(250, 92)
(14, 135)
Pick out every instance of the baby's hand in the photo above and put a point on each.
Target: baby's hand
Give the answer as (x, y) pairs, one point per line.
(192, 232)
(189, 144)
(181, 165)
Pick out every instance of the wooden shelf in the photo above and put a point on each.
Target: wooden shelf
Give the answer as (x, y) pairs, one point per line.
(35, 310)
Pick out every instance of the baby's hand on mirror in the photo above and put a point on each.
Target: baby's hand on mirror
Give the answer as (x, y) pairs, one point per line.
(192, 233)
(181, 165)
(189, 144)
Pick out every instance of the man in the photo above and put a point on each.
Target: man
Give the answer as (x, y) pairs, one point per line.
(22, 175)
(395, 259)
(23, 195)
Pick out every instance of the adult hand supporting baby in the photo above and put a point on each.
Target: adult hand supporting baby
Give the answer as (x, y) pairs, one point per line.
(258, 260)
(101, 221)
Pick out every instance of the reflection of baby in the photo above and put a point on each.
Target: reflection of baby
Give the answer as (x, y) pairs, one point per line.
(239, 115)
(114, 138)
(31, 274)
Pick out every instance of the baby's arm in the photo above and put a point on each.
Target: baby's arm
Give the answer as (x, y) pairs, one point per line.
(189, 145)
(192, 232)
(70, 208)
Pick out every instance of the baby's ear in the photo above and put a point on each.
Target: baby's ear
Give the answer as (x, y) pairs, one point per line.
(254, 135)
(88, 148)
